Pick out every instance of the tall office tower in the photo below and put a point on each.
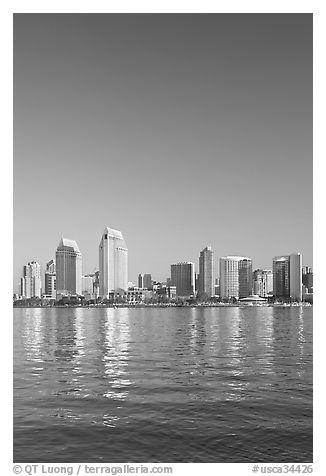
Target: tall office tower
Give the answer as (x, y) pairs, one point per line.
(87, 286)
(296, 276)
(235, 277)
(145, 281)
(206, 275)
(113, 263)
(31, 280)
(287, 276)
(183, 278)
(281, 276)
(307, 277)
(50, 279)
(262, 282)
(68, 268)
(96, 284)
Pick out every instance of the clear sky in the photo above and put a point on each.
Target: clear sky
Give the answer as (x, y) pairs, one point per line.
(180, 130)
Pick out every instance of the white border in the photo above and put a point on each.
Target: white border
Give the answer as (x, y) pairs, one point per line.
(315, 7)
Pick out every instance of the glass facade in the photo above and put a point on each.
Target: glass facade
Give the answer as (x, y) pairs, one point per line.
(113, 263)
(183, 278)
(206, 276)
(68, 268)
(235, 277)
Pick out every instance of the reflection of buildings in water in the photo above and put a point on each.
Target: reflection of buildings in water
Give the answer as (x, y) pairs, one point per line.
(116, 353)
(80, 332)
(197, 331)
(289, 341)
(301, 342)
(248, 359)
(235, 357)
(65, 335)
(261, 341)
(33, 334)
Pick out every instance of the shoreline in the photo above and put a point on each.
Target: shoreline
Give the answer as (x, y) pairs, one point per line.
(144, 306)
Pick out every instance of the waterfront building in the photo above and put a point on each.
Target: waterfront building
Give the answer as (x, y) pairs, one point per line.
(113, 263)
(183, 278)
(96, 284)
(31, 281)
(87, 286)
(145, 281)
(296, 276)
(206, 272)
(68, 268)
(235, 277)
(156, 285)
(287, 277)
(169, 292)
(50, 279)
(307, 278)
(262, 282)
(281, 277)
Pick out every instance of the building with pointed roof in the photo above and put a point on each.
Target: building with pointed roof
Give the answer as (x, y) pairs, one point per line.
(113, 263)
(68, 268)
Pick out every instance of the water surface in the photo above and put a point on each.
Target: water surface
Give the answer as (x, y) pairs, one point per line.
(163, 385)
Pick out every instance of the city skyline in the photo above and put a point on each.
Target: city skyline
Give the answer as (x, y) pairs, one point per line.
(113, 268)
(135, 279)
(200, 136)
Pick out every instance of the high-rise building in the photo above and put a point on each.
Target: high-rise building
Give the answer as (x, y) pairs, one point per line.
(87, 286)
(281, 276)
(296, 276)
(145, 281)
(31, 280)
(96, 284)
(262, 282)
(206, 272)
(68, 268)
(287, 276)
(235, 277)
(50, 279)
(113, 263)
(183, 278)
(308, 278)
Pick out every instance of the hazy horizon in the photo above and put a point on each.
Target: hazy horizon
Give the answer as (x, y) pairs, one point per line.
(179, 130)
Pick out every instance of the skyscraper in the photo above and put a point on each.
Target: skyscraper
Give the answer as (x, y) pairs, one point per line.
(31, 280)
(206, 276)
(113, 263)
(183, 278)
(50, 279)
(307, 278)
(287, 276)
(68, 268)
(145, 281)
(235, 277)
(281, 276)
(296, 276)
(87, 285)
(262, 282)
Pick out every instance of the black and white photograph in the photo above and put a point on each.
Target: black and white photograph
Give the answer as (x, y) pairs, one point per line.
(162, 241)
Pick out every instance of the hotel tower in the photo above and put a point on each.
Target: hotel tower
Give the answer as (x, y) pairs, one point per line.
(206, 278)
(113, 263)
(287, 276)
(68, 268)
(235, 277)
